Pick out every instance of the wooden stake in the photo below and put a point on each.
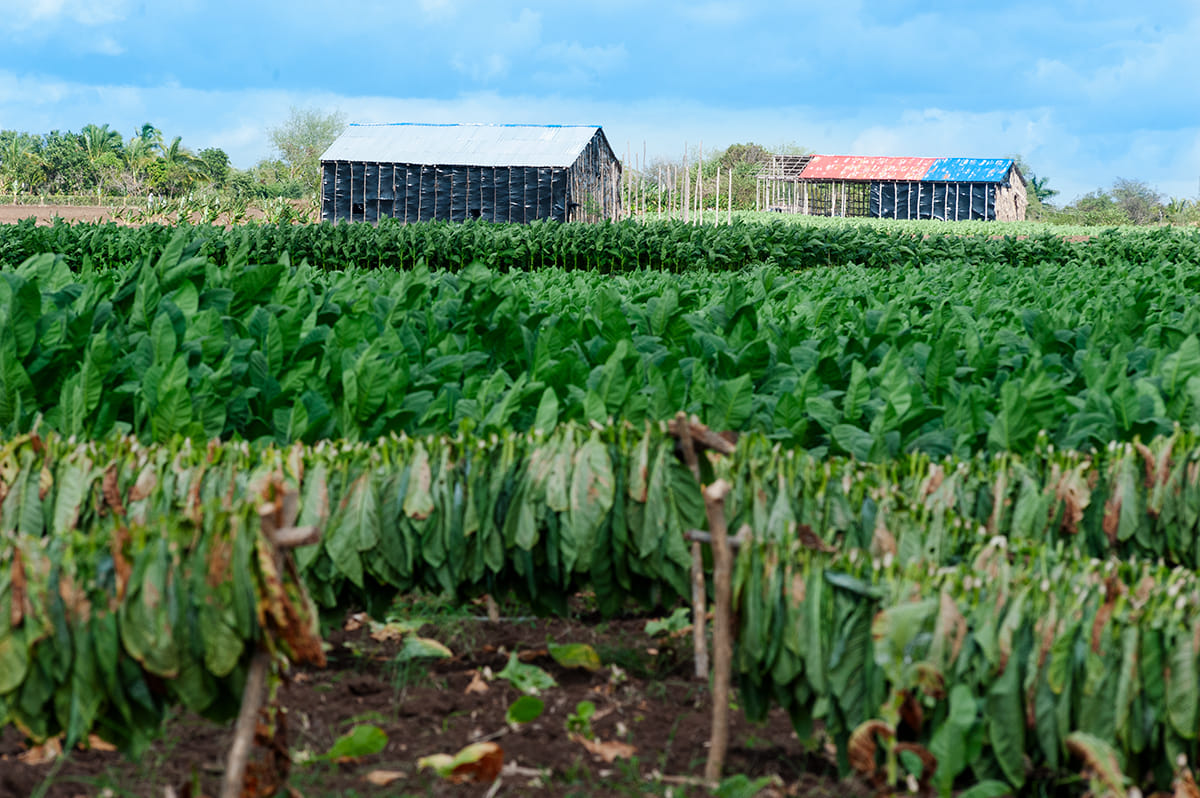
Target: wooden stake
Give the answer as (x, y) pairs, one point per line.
(247, 723)
(699, 591)
(714, 507)
(729, 216)
(717, 215)
(687, 205)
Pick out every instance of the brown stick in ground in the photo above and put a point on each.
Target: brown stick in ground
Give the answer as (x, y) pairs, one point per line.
(714, 506)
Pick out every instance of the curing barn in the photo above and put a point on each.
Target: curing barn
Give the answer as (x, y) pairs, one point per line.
(499, 173)
(952, 189)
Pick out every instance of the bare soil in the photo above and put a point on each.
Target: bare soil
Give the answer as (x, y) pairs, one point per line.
(644, 697)
(45, 214)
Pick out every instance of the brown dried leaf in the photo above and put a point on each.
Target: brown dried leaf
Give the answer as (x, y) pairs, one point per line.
(220, 555)
(608, 751)
(74, 599)
(192, 505)
(951, 624)
(42, 754)
(45, 481)
(799, 589)
(1112, 517)
(1071, 488)
(1099, 760)
(111, 491)
(1148, 460)
(477, 685)
(355, 621)
(911, 711)
(479, 763)
(861, 748)
(20, 596)
(95, 743)
(1185, 784)
(285, 609)
(146, 482)
(811, 540)
(931, 681)
(882, 540)
(382, 778)
(933, 481)
(116, 545)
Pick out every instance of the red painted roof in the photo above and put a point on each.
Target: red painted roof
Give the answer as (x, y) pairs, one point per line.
(857, 167)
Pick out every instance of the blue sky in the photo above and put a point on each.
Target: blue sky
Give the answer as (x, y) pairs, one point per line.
(1085, 92)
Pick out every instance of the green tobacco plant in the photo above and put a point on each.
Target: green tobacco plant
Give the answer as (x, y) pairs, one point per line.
(580, 721)
(525, 709)
(204, 333)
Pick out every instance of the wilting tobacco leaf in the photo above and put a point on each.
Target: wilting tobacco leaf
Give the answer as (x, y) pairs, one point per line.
(527, 678)
(479, 763)
(576, 655)
(363, 740)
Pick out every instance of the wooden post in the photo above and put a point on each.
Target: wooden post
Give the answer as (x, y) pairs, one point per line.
(699, 592)
(714, 506)
(629, 185)
(717, 206)
(247, 723)
(659, 184)
(687, 196)
(729, 217)
(700, 185)
(641, 181)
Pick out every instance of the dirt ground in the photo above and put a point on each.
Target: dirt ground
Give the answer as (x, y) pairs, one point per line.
(45, 214)
(643, 695)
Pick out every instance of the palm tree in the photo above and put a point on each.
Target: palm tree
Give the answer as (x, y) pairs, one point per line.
(20, 166)
(150, 135)
(1040, 190)
(177, 154)
(99, 141)
(175, 169)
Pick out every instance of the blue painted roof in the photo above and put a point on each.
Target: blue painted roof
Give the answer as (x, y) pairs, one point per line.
(969, 170)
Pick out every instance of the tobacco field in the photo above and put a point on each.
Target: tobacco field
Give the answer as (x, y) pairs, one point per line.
(969, 467)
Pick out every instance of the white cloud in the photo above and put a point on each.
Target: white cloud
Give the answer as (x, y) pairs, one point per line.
(107, 45)
(577, 65)
(486, 52)
(1156, 69)
(21, 14)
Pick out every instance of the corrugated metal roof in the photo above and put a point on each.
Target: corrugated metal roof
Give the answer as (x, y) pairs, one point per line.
(969, 170)
(855, 167)
(462, 144)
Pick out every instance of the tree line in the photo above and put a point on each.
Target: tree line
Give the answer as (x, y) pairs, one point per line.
(98, 160)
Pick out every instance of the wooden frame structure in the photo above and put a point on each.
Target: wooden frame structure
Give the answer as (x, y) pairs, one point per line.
(893, 188)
